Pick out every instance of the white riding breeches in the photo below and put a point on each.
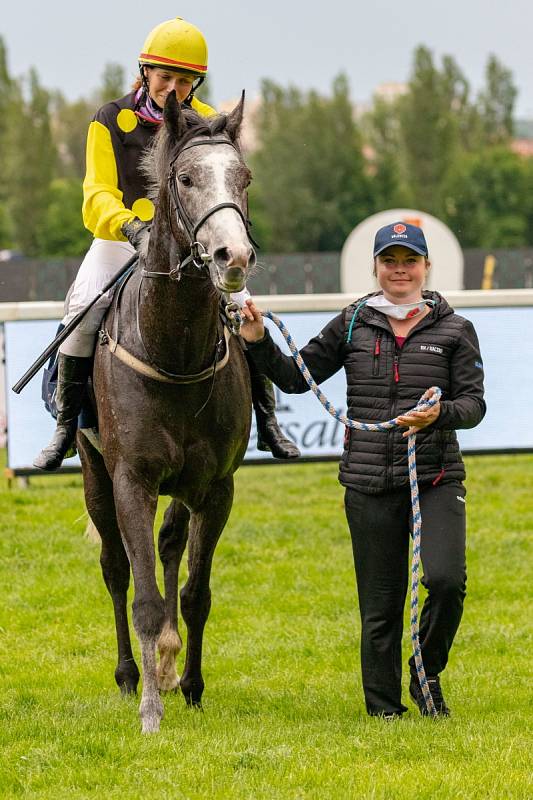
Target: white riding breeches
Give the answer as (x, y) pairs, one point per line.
(103, 260)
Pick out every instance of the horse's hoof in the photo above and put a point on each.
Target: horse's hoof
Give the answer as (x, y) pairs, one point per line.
(168, 683)
(192, 691)
(151, 712)
(196, 705)
(151, 725)
(127, 690)
(170, 689)
(127, 677)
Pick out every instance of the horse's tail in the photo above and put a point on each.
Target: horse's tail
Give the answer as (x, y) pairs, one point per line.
(91, 532)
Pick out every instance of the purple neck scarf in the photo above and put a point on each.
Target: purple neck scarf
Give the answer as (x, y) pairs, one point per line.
(146, 109)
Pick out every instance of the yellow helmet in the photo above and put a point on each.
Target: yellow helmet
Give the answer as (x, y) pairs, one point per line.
(176, 44)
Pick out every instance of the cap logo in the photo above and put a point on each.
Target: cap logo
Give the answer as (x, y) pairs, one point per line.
(399, 228)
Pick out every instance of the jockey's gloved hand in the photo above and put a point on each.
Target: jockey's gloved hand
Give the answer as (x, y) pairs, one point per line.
(134, 231)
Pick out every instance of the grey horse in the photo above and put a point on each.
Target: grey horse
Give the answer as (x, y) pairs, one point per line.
(181, 426)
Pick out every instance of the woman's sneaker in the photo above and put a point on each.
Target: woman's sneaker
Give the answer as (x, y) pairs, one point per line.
(436, 693)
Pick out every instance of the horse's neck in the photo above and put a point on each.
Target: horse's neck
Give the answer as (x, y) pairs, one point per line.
(178, 320)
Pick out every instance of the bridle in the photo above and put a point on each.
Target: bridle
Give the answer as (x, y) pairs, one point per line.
(200, 259)
(198, 255)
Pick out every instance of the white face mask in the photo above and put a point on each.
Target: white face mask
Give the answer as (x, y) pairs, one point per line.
(400, 311)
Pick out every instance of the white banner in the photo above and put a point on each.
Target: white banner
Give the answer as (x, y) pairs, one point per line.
(506, 346)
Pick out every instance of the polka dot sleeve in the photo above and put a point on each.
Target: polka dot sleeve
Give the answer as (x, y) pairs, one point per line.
(104, 212)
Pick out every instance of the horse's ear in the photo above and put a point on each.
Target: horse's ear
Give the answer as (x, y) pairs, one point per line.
(174, 118)
(235, 119)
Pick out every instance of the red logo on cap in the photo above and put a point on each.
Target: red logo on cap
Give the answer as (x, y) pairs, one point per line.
(399, 228)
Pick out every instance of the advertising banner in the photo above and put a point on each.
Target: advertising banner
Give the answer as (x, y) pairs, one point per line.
(506, 347)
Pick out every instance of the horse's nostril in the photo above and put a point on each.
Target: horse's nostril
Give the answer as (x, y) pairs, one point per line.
(222, 256)
(239, 256)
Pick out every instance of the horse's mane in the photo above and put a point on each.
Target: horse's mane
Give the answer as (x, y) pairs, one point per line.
(164, 147)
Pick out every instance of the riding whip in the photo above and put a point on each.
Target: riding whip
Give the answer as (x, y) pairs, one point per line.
(67, 330)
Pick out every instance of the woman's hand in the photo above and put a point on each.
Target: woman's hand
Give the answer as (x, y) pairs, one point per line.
(417, 420)
(252, 327)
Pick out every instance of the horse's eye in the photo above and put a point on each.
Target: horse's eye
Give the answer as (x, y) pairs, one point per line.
(185, 180)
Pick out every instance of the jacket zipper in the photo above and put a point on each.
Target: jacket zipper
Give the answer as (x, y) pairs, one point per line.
(377, 353)
(390, 440)
(396, 368)
(393, 394)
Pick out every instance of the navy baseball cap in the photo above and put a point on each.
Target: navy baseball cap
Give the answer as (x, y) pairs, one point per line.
(410, 236)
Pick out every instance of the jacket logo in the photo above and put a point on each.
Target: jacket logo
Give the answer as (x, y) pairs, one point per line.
(430, 348)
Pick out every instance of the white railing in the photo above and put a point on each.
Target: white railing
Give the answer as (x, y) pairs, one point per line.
(468, 298)
(494, 312)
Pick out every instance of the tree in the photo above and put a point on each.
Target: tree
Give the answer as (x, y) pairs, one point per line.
(430, 121)
(62, 233)
(113, 83)
(8, 92)
(496, 103)
(391, 188)
(69, 128)
(487, 199)
(32, 166)
(310, 185)
(434, 142)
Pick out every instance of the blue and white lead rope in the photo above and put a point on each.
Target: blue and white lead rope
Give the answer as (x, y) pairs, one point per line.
(422, 405)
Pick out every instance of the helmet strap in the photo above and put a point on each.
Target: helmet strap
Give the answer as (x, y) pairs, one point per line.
(196, 85)
(144, 79)
(188, 100)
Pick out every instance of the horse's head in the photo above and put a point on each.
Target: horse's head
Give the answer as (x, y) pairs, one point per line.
(207, 183)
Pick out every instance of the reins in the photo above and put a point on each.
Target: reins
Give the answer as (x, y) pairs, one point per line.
(200, 259)
(151, 369)
(422, 405)
(197, 258)
(191, 228)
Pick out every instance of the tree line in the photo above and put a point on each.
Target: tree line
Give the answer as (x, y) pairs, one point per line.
(319, 168)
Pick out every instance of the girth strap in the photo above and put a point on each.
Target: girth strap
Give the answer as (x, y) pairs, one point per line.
(145, 369)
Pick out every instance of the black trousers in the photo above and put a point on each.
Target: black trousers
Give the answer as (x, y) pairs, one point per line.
(380, 527)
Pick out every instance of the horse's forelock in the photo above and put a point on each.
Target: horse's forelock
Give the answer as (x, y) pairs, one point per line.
(164, 148)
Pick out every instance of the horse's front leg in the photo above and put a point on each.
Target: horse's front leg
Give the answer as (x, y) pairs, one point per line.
(113, 559)
(172, 541)
(207, 523)
(136, 506)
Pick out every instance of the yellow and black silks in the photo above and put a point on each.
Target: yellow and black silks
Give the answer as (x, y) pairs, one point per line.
(114, 189)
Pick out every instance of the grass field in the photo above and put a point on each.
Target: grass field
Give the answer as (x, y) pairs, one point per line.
(283, 707)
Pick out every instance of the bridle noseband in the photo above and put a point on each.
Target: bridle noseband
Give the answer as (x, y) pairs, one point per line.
(198, 255)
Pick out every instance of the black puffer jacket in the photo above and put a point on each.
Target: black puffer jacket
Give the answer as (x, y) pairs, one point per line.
(384, 382)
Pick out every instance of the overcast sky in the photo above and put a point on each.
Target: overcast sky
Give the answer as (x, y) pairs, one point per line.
(298, 42)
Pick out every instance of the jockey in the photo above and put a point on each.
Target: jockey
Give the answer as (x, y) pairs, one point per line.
(117, 210)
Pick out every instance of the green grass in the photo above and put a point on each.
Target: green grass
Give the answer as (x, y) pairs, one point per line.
(284, 714)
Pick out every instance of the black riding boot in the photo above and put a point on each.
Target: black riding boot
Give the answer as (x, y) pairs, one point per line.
(71, 384)
(269, 434)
